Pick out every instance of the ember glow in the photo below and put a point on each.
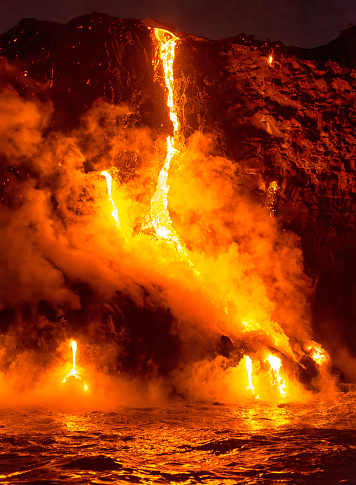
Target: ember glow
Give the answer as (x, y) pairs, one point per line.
(272, 198)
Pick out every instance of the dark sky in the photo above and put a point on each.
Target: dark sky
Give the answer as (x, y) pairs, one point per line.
(305, 23)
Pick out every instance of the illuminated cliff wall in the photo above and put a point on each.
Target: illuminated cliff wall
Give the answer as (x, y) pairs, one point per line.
(261, 192)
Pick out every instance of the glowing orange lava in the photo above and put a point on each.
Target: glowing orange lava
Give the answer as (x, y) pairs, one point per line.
(318, 354)
(73, 373)
(158, 220)
(114, 212)
(158, 225)
(250, 325)
(275, 363)
(248, 364)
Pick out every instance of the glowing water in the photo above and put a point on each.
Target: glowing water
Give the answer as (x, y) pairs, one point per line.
(197, 443)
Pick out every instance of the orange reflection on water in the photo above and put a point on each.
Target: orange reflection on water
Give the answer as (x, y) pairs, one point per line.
(75, 422)
(259, 416)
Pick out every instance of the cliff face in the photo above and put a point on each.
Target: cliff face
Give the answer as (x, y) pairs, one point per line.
(287, 124)
(73, 65)
(290, 120)
(293, 122)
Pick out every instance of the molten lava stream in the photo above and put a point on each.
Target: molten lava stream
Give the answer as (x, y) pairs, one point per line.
(248, 364)
(115, 212)
(158, 225)
(318, 354)
(158, 221)
(73, 373)
(275, 364)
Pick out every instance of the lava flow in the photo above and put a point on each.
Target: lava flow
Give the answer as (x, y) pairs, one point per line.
(248, 363)
(277, 380)
(201, 291)
(158, 224)
(158, 221)
(73, 373)
(115, 212)
(318, 354)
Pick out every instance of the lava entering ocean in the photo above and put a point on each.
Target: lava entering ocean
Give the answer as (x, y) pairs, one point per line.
(202, 295)
(73, 373)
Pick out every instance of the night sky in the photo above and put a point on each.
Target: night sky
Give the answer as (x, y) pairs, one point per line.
(305, 23)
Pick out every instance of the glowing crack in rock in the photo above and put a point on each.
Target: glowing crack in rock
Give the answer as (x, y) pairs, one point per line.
(158, 221)
(275, 363)
(73, 373)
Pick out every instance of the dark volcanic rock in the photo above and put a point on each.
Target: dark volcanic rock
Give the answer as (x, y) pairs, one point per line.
(96, 463)
(94, 56)
(342, 50)
(291, 122)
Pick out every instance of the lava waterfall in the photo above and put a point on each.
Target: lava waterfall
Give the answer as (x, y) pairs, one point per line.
(184, 209)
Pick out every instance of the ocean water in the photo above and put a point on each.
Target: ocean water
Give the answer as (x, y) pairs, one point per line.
(186, 443)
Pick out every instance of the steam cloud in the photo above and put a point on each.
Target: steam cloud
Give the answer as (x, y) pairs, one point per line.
(144, 319)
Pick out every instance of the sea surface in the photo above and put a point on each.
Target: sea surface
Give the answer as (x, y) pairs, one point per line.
(265, 443)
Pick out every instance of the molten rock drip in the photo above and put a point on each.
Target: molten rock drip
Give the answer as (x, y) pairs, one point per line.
(73, 373)
(158, 220)
(199, 284)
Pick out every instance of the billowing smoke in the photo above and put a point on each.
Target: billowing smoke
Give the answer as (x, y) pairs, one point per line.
(149, 323)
